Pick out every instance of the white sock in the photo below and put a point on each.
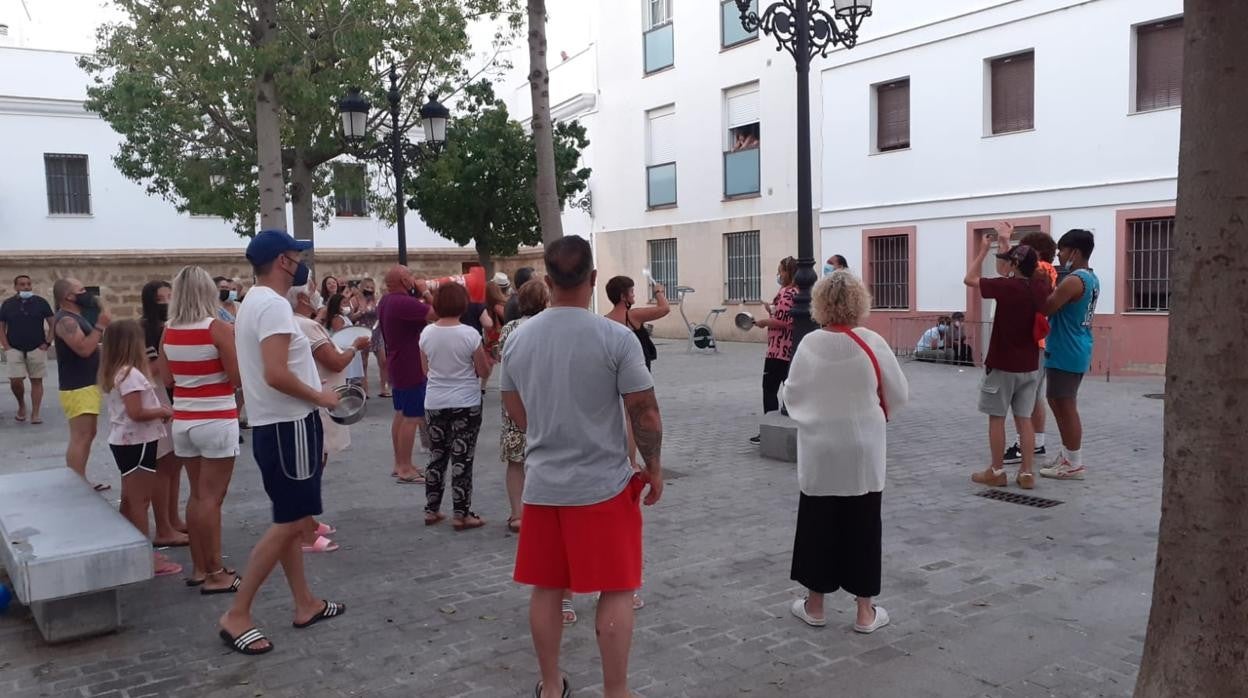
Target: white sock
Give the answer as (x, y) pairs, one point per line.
(1075, 458)
(1039, 440)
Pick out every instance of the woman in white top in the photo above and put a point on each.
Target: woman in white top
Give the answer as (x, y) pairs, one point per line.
(331, 362)
(455, 362)
(843, 385)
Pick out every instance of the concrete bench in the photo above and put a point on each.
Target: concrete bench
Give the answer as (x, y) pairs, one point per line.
(777, 435)
(67, 552)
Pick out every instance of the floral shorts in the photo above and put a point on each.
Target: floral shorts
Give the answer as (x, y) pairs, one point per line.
(511, 442)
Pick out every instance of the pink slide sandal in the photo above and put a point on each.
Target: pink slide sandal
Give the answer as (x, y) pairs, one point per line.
(322, 545)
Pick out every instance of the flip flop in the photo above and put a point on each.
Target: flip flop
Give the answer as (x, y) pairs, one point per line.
(467, 523)
(513, 524)
(231, 589)
(19, 417)
(435, 519)
(101, 487)
(413, 480)
(330, 610)
(567, 689)
(200, 582)
(242, 644)
(38, 420)
(324, 529)
(182, 544)
(167, 568)
(569, 613)
(322, 545)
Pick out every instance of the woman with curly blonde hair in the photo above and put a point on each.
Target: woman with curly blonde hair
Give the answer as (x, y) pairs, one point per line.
(843, 384)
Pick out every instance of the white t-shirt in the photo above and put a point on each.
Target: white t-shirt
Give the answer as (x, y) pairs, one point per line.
(930, 336)
(262, 314)
(123, 431)
(453, 380)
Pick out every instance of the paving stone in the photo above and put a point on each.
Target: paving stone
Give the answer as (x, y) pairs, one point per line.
(1068, 587)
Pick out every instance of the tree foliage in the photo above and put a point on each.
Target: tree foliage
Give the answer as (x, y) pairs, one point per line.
(481, 188)
(176, 79)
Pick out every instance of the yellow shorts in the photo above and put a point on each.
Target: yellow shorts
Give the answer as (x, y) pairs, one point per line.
(75, 403)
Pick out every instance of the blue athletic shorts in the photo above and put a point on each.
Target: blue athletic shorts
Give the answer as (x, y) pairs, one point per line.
(409, 401)
(289, 456)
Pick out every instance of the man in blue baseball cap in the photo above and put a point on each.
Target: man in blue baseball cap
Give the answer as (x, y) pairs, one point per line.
(283, 390)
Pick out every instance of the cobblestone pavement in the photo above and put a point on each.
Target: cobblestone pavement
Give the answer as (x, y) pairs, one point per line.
(987, 598)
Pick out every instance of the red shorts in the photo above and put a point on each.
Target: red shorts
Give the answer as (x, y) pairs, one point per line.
(583, 548)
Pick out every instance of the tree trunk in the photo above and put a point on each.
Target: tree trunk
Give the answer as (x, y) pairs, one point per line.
(548, 209)
(483, 256)
(1197, 642)
(268, 127)
(303, 201)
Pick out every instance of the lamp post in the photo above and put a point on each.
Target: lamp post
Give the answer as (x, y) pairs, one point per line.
(805, 30)
(395, 149)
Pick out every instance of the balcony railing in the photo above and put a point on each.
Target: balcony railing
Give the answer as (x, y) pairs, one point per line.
(658, 45)
(661, 185)
(741, 176)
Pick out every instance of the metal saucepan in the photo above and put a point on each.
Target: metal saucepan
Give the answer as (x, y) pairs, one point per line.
(744, 321)
(350, 407)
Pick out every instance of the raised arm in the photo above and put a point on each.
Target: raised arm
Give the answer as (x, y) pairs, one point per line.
(643, 414)
(976, 268)
(650, 313)
(84, 345)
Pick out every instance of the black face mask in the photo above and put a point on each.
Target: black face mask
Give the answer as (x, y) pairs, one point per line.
(86, 301)
(223, 294)
(413, 292)
(162, 312)
(368, 294)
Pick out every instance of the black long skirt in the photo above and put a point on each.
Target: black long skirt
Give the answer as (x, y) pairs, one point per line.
(837, 545)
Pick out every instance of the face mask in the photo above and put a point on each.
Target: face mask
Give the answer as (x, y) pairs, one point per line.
(300, 277)
(86, 301)
(368, 294)
(162, 312)
(25, 294)
(828, 269)
(779, 281)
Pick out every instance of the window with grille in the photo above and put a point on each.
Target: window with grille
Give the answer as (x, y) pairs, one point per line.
(661, 254)
(741, 141)
(741, 253)
(888, 266)
(69, 188)
(1012, 84)
(1150, 242)
(892, 115)
(350, 193)
(1159, 65)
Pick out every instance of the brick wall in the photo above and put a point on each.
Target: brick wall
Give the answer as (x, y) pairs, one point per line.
(121, 274)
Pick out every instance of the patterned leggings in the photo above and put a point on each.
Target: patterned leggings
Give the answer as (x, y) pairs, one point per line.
(453, 438)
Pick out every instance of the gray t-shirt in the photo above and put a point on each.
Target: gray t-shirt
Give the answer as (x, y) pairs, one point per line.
(570, 367)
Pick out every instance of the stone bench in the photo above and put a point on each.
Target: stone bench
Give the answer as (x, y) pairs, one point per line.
(67, 551)
(777, 435)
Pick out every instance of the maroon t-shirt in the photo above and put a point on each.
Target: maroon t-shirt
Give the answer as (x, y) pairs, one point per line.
(402, 318)
(1012, 346)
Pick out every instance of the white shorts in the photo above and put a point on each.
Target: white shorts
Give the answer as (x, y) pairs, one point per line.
(205, 438)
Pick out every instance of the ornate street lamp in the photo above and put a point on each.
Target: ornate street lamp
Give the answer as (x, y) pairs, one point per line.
(400, 153)
(805, 30)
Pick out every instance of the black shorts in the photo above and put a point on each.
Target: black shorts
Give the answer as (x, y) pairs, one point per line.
(131, 457)
(1063, 385)
(289, 456)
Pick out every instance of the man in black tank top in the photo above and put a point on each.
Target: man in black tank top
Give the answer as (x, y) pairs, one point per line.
(79, 324)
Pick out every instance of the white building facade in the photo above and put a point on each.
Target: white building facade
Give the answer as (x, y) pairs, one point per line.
(59, 190)
(1051, 114)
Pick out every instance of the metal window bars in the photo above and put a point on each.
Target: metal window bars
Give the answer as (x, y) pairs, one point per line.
(69, 189)
(1149, 244)
(663, 262)
(889, 267)
(743, 258)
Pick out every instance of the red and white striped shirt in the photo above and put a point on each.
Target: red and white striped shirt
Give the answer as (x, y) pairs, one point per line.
(201, 390)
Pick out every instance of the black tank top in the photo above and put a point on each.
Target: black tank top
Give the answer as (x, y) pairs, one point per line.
(648, 350)
(73, 371)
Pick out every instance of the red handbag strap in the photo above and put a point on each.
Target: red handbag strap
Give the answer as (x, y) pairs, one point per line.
(875, 364)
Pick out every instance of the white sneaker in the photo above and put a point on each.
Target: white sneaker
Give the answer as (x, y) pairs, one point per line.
(1052, 460)
(799, 610)
(1064, 470)
(881, 620)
